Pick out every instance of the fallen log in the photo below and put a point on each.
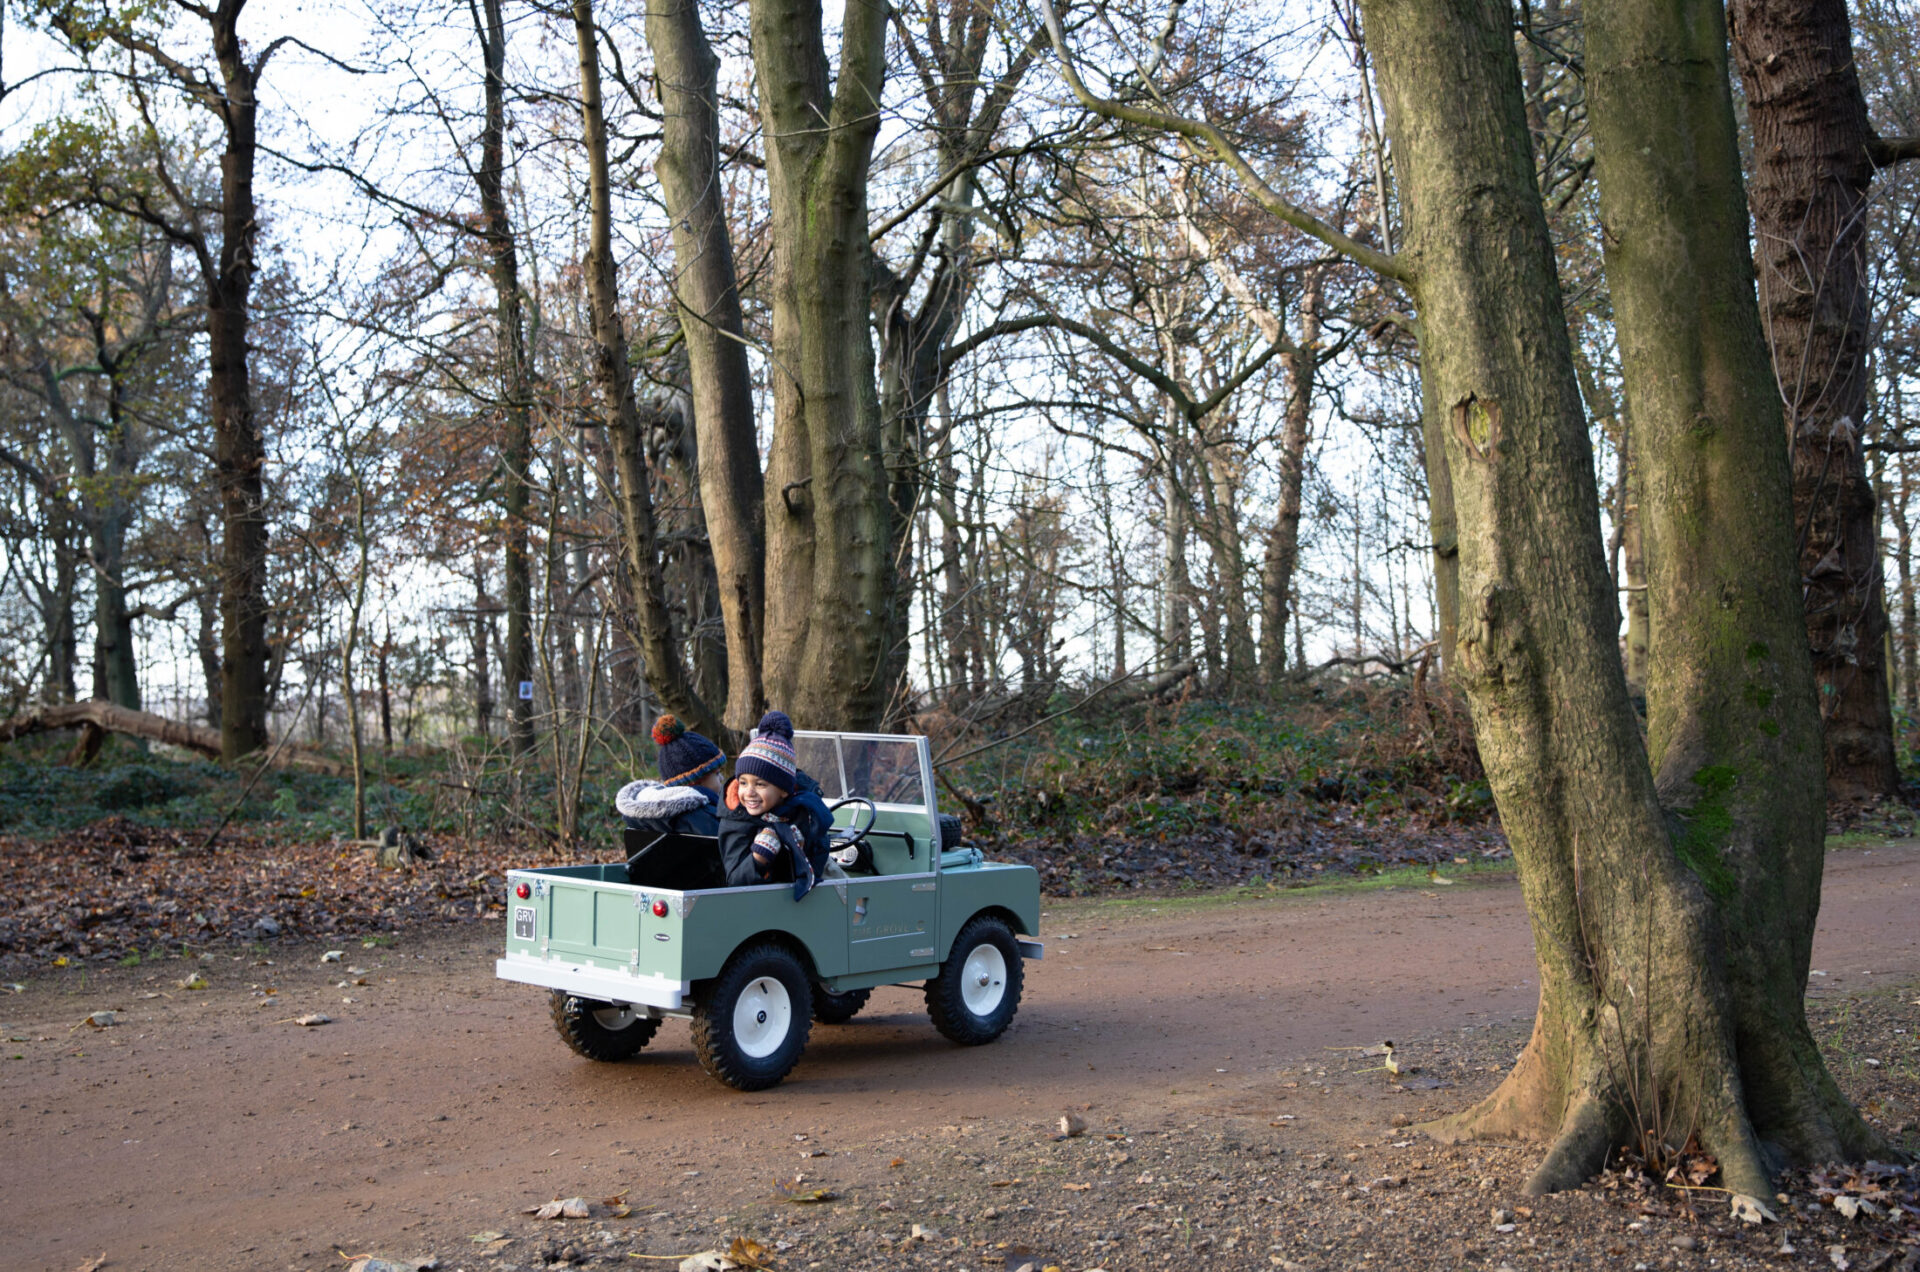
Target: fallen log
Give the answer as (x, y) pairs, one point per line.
(98, 717)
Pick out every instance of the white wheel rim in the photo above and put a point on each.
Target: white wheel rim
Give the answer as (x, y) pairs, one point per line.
(983, 979)
(614, 1019)
(762, 1017)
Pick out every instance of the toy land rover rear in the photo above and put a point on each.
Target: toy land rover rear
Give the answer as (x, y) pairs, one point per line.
(624, 945)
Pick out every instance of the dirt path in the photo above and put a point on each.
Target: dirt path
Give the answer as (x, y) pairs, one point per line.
(205, 1130)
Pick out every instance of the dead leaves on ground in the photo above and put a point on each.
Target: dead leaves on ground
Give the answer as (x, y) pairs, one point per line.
(117, 888)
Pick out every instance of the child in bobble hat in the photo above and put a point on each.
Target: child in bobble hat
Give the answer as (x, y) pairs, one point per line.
(778, 830)
(686, 799)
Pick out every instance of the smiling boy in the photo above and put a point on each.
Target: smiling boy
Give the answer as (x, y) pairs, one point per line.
(779, 831)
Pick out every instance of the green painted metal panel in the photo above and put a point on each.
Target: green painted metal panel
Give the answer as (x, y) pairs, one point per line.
(891, 921)
(991, 885)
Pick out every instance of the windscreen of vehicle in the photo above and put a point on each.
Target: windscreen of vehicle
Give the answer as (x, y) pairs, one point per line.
(884, 770)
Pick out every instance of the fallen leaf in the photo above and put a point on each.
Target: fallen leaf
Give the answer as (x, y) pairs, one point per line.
(1076, 1187)
(566, 1208)
(193, 981)
(333, 956)
(313, 1018)
(791, 1191)
(745, 1252)
(897, 1162)
(1839, 1256)
(481, 1238)
(93, 1264)
(100, 1020)
(1751, 1210)
(1072, 1125)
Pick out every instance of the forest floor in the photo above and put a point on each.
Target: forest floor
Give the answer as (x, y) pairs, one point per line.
(1214, 1045)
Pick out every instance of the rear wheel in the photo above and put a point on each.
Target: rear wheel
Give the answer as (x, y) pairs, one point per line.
(752, 1023)
(830, 1008)
(973, 999)
(600, 1031)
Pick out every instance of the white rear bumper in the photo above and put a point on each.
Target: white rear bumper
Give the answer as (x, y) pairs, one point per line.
(598, 983)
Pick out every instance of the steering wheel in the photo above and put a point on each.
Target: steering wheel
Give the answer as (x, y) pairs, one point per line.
(849, 836)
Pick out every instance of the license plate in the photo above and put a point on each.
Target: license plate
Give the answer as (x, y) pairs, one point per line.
(523, 922)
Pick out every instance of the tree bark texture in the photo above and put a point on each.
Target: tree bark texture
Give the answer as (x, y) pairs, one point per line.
(732, 494)
(516, 380)
(830, 582)
(1732, 722)
(1812, 170)
(1442, 521)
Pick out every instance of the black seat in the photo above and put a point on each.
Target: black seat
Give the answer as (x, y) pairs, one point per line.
(674, 860)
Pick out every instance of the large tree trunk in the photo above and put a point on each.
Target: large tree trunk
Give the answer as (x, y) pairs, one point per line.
(1732, 722)
(732, 495)
(516, 381)
(1812, 167)
(645, 573)
(829, 581)
(239, 452)
(1630, 1003)
(1658, 990)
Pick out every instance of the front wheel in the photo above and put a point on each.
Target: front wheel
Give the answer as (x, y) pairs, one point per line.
(973, 999)
(751, 1024)
(600, 1031)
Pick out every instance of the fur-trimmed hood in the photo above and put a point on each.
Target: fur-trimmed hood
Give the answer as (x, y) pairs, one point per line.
(647, 800)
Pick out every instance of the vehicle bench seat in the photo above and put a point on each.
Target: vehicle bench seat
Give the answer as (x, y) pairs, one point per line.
(674, 860)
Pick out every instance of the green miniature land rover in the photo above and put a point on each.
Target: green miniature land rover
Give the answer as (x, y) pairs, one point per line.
(623, 946)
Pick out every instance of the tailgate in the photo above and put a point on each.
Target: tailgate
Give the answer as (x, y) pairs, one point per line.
(578, 931)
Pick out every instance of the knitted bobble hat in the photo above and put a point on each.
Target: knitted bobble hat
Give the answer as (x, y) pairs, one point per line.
(685, 757)
(770, 754)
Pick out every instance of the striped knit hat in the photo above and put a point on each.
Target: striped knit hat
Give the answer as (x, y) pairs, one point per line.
(685, 757)
(770, 754)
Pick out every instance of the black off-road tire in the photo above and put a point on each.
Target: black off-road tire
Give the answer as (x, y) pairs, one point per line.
(596, 1030)
(830, 1008)
(986, 960)
(752, 1020)
(952, 833)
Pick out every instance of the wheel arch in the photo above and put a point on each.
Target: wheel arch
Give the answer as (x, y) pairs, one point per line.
(768, 936)
(992, 910)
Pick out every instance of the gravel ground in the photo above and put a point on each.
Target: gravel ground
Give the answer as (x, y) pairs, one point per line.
(1320, 1168)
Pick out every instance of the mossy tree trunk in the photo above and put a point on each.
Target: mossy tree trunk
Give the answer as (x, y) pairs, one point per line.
(829, 580)
(1734, 730)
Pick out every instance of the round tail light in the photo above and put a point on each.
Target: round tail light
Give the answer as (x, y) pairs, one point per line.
(659, 909)
(522, 891)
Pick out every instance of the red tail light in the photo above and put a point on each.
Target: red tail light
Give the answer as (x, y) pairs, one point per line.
(659, 909)
(522, 891)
